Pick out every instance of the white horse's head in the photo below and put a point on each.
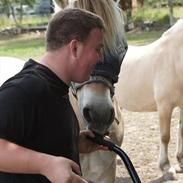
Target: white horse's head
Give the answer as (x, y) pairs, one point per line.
(95, 97)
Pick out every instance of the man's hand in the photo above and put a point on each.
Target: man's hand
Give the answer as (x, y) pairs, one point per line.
(62, 170)
(17, 159)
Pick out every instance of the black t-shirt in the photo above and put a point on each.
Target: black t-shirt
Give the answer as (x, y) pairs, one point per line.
(35, 113)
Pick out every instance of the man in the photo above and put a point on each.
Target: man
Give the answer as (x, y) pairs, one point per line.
(39, 133)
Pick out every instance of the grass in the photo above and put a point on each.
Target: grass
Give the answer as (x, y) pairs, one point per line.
(32, 45)
(142, 38)
(23, 46)
(26, 22)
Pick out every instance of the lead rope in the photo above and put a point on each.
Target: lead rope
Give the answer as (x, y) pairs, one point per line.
(113, 147)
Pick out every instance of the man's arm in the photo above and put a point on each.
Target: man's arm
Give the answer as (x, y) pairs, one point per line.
(17, 159)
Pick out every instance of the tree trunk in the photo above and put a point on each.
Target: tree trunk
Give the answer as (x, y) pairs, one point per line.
(21, 12)
(170, 6)
(13, 14)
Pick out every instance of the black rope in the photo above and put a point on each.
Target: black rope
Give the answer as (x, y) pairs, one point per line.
(113, 147)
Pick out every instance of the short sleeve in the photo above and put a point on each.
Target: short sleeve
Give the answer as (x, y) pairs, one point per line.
(15, 114)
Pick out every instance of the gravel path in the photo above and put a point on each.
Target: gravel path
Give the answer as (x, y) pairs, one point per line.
(141, 143)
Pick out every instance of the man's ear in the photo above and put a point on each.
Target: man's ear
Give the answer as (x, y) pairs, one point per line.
(75, 48)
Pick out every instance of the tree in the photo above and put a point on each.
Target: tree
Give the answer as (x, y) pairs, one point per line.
(15, 8)
(170, 5)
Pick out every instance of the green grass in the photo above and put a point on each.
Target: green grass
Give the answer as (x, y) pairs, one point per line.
(32, 45)
(142, 38)
(23, 46)
(26, 22)
(178, 12)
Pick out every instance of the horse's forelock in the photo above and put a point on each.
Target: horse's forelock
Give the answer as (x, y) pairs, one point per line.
(60, 4)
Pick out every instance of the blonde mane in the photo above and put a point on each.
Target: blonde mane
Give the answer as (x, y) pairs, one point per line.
(61, 3)
(112, 16)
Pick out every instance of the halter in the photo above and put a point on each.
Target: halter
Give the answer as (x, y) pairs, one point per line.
(93, 79)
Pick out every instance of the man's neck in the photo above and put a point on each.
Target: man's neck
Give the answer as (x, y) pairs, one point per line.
(58, 64)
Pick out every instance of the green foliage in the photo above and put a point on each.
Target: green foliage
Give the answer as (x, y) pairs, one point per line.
(146, 14)
(160, 16)
(155, 3)
(15, 8)
(152, 2)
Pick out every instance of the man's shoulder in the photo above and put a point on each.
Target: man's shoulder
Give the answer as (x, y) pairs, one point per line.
(27, 83)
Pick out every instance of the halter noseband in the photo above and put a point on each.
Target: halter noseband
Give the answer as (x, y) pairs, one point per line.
(93, 79)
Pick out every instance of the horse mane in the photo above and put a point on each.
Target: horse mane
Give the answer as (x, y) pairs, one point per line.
(113, 19)
(61, 3)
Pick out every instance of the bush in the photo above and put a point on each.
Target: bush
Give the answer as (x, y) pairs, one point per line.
(153, 17)
(163, 3)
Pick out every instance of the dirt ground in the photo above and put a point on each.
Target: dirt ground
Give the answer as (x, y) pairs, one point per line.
(141, 143)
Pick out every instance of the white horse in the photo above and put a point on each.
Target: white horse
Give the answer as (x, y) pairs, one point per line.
(151, 79)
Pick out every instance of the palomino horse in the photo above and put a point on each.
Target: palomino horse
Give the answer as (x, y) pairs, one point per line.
(101, 166)
(151, 80)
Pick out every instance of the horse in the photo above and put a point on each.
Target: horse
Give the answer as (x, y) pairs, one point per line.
(107, 118)
(151, 79)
